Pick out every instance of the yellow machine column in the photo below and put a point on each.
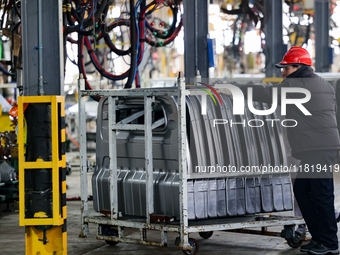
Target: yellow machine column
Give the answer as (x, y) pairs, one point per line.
(42, 174)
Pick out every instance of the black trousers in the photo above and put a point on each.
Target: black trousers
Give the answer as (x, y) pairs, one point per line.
(314, 192)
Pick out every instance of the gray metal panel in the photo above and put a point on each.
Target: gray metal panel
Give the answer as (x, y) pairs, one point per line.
(221, 207)
(213, 113)
(267, 193)
(207, 133)
(261, 137)
(196, 142)
(234, 132)
(247, 140)
(96, 188)
(231, 145)
(216, 188)
(241, 201)
(52, 47)
(282, 193)
(281, 145)
(138, 193)
(212, 198)
(101, 189)
(201, 198)
(175, 196)
(253, 194)
(101, 157)
(199, 125)
(274, 151)
(277, 193)
(235, 191)
(128, 193)
(287, 191)
(191, 200)
(207, 198)
(166, 196)
(130, 144)
(201, 186)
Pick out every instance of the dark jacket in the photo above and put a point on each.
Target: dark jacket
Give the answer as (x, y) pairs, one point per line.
(318, 131)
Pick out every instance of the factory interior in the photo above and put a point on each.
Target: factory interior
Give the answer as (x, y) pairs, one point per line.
(117, 135)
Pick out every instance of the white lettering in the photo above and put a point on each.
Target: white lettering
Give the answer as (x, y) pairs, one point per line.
(262, 112)
(219, 122)
(255, 120)
(238, 100)
(282, 123)
(297, 101)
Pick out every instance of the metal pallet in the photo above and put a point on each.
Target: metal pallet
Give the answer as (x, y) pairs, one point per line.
(111, 226)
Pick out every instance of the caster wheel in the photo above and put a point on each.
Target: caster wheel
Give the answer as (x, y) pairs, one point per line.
(111, 243)
(110, 232)
(294, 242)
(206, 235)
(195, 246)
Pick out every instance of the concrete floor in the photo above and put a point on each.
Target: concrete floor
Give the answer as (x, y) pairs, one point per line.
(12, 239)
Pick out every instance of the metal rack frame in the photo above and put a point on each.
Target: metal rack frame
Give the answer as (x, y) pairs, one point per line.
(183, 227)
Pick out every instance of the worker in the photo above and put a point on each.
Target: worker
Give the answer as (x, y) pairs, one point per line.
(314, 141)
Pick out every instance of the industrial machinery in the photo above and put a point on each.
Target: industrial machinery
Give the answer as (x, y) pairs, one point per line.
(41, 156)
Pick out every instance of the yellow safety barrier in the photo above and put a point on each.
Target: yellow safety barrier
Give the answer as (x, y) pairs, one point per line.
(45, 228)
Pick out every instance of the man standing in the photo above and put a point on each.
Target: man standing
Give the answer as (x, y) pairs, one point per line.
(314, 141)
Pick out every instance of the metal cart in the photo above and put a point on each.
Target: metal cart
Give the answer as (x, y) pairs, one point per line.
(111, 224)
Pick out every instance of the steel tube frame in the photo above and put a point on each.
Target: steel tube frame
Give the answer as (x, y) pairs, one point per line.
(113, 159)
(182, 161)
(182, 226)
(83, 160)
(148, 157)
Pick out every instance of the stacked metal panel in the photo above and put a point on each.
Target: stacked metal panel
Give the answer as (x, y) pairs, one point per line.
(209, 145)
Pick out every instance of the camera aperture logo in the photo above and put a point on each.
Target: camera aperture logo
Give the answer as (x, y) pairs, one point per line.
(238, 103)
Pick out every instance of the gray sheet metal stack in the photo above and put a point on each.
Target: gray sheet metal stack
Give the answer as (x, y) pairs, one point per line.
(149, 144)
(210, 194)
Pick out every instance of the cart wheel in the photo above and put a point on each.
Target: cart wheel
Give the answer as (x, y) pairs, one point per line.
(111, 243)
(195, 246)
(206, 235)
(113, 233)
(294, 242)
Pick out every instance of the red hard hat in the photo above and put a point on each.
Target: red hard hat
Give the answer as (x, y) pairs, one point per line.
(295, 55)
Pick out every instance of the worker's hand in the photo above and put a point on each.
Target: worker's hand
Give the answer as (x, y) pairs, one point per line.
(224, 91)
